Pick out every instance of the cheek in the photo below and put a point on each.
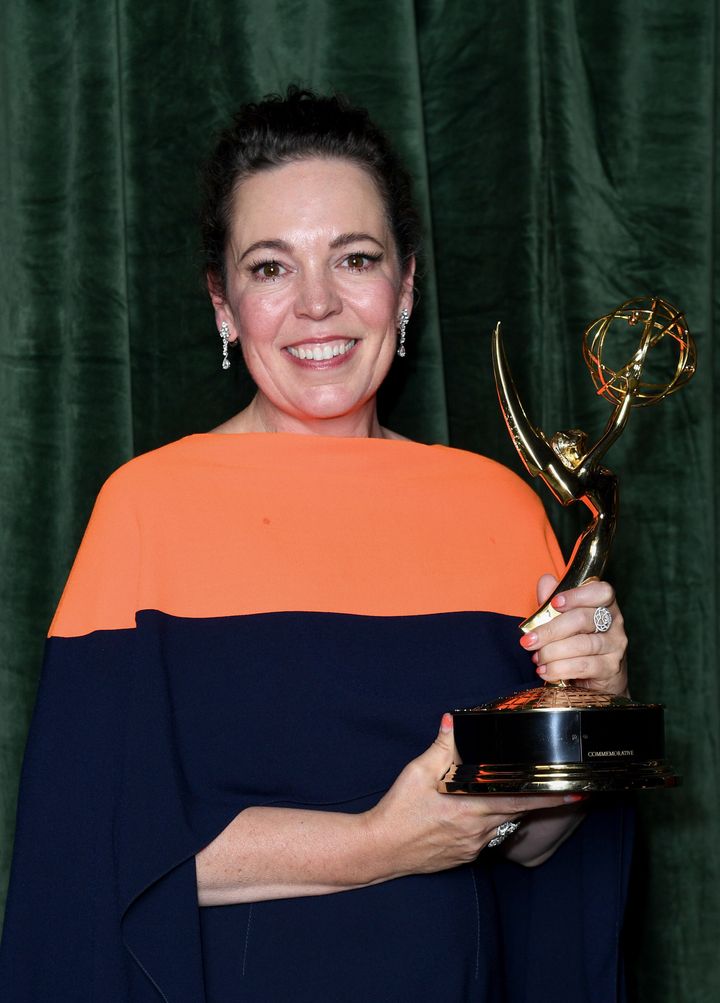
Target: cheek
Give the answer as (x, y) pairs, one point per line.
(378, 306)
(258, 320)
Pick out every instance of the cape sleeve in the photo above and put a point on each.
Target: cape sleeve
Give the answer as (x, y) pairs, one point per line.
(561, 923)
(102, 903)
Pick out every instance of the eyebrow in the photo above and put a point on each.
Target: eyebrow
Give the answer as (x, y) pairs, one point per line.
(352, 238)
(282, 245)
(273, 245)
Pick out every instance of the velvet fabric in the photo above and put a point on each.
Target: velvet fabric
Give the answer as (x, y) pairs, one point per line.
(565, 160)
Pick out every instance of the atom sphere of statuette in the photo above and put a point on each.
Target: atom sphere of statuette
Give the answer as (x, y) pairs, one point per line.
(656, 321)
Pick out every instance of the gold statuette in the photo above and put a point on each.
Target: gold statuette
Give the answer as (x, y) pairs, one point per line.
(561, 736)
(567, 465)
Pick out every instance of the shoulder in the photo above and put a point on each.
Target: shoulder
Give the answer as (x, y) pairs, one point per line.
(498, 503)
(103, 587)
(158, 469)
(156, 463)
(485, 478)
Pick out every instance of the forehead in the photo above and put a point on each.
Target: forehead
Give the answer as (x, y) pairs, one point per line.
(307, 195)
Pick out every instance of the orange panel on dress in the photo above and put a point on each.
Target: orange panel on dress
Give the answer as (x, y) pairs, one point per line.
(225, 525)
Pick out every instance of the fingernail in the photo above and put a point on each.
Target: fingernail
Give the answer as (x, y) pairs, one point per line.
(541, 669)
(447, 723)
(558, 602)
(573, 798)
(528, 640)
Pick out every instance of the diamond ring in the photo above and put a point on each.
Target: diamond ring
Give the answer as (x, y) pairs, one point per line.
(502, 832)
(602, 618)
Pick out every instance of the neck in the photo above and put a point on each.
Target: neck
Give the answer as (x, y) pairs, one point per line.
(262, 416)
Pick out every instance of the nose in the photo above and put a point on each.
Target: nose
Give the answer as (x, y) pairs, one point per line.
(317, 296)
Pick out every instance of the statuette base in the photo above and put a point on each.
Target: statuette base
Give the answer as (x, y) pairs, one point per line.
(559, 738)
(557, 777)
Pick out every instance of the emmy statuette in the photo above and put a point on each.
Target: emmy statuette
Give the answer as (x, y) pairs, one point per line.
(563, 737)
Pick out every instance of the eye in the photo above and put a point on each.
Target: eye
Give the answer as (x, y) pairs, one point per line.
(360, 262)
(266, 271)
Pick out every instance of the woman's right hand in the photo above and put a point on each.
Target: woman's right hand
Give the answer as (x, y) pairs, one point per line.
(418, 830)
(268, 852)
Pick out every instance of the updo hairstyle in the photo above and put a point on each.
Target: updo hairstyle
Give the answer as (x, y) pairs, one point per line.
(281, 130)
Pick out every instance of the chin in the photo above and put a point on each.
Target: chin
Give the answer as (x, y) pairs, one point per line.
(330, 406)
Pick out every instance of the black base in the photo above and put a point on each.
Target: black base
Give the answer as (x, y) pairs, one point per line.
(559, 739)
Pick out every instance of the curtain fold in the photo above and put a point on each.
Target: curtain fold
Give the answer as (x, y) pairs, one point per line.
(565, 159)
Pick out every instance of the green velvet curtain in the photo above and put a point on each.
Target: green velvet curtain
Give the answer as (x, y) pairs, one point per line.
(566, 158)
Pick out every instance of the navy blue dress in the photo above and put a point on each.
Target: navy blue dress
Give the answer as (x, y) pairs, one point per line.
(230, 591)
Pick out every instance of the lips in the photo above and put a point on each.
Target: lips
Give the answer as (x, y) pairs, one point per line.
(321, 352)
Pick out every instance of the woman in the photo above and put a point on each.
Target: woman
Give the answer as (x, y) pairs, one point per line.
(260, 630)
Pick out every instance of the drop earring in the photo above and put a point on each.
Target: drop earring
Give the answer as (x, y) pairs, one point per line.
(225, 335)
(402, 326)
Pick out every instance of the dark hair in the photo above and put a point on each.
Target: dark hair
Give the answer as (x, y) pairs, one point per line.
(280, 130)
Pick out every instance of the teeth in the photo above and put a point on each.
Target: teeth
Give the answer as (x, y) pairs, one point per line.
(321, 353)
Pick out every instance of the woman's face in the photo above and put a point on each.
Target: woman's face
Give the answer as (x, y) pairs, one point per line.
(314, 288)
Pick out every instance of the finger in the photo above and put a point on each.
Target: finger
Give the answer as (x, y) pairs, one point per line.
(578, 668)
(610, 678)
(439, 756)
(545, 587)
(592, 593)
(577, 645)
(518, 804)
(574, 621)
(582, 656)
(578, 622)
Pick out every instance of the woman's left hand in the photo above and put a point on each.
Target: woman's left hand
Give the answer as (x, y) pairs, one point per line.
(569, 647)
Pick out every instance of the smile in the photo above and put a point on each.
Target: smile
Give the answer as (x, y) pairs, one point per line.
(320, 353)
